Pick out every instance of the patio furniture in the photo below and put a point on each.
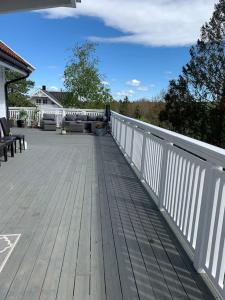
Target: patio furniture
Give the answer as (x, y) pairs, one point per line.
(77, 127)
(48, 122)
(14, 137)
(9, 145)
(3, 151)
(72, 123)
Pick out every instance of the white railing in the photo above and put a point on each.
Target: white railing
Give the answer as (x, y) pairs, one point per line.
(14, 113)
(186, 179)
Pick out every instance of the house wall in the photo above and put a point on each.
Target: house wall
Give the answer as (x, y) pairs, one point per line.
(2, 93)
(49, 103)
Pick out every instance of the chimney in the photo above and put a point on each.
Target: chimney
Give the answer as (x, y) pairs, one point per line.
(43, 87)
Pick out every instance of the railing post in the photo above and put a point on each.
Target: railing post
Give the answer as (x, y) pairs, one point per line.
(125, 139)
(132, 145)
(120, 132)
(143, 156)
(166, 146)
(204, 220)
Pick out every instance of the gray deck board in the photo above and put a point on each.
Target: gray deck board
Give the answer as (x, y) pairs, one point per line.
(88, 228)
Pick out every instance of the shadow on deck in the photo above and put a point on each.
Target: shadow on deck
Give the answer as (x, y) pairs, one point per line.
(88, 228)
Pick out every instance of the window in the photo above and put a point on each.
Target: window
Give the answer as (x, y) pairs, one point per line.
(38, 101)
(45, 101)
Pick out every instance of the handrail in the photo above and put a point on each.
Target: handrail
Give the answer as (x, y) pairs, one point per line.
(202, 149)
(186, 179)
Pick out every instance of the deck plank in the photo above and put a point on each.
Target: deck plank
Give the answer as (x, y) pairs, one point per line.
(89, 229)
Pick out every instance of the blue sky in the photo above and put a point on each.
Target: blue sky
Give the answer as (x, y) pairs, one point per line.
(139, 53)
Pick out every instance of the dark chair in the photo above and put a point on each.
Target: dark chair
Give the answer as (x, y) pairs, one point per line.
(14, 137)
(9, 145)
(3, 151)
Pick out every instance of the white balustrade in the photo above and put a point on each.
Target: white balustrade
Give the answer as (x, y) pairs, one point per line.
(186, 179)
(14, 113)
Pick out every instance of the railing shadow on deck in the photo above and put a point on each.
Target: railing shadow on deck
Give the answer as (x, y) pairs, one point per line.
(147, 258)
(186, 180)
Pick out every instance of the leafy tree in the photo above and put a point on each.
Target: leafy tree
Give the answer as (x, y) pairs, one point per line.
(195, 103)
(18, 91)
(70, 101)
(137, 112)
(83, 80)
(124, 106)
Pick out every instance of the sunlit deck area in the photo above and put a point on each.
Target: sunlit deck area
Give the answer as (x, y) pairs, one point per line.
(89, 230)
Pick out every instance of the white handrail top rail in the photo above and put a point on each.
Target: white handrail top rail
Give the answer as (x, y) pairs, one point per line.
(199, 148)
(57, 109)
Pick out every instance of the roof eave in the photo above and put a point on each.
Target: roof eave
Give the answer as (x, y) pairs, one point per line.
(12, 64)
(23, 5)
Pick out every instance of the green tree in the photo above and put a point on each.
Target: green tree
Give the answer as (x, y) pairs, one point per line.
(195, 103)
(83, 80)
(18, 91)
(124, 106)
(137, 112)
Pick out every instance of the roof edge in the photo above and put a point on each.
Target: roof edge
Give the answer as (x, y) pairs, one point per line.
(29, 66)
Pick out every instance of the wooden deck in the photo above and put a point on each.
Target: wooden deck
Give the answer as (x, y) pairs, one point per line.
(88, 228)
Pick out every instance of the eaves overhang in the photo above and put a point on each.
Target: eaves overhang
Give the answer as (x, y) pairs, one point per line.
(7, 6)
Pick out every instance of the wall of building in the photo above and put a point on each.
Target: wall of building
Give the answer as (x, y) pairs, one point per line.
(2, 93)
(41, 103)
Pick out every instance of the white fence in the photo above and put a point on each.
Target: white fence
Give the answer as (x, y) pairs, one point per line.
(186, 179)
(33, 114)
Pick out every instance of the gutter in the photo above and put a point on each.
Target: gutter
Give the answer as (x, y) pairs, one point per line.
(6, 91)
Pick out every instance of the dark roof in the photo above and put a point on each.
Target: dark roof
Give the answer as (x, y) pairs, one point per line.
(57, 96)
(12, 58)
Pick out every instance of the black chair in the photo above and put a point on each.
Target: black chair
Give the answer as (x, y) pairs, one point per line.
(8, 146)
(14, 137)
(3, 151)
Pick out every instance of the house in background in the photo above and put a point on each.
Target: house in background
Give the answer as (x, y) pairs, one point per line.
(48, 99)
(10, 60)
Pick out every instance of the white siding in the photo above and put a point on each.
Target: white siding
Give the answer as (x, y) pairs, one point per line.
(2, 93)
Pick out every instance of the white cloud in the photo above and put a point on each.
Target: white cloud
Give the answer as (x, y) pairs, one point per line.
(124, 93)
(53, 88)
(148, 22)
(105, 82)
(133, 82)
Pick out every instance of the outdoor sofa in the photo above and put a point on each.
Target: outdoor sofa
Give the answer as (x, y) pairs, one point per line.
(82, 123)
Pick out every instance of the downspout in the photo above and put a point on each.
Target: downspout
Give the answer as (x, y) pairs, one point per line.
(6, 92)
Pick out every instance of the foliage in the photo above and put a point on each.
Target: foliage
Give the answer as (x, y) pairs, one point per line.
(123, 107)
(195, 102)
(23, 114)
(137, 113)
(83, 80)
(147, 110)
(18, 91)
(100, 125)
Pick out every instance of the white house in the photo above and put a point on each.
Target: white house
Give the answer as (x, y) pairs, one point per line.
(14, 5)
(9, 59)
(48, 99)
